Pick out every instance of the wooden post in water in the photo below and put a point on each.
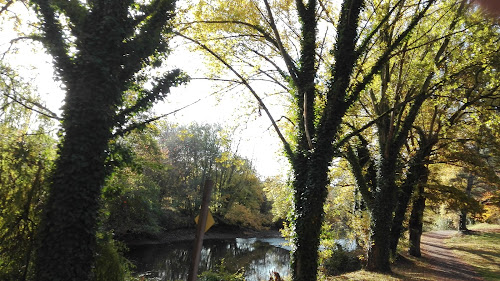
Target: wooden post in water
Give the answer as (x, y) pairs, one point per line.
(200, 231)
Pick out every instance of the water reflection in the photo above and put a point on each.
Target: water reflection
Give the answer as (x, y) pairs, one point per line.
(258, 257)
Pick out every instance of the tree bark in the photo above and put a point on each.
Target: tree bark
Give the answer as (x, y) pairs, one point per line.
(462, 225)
(416, 222)
(314, 152)
(382, 214)
(399, 217)
(417, 175)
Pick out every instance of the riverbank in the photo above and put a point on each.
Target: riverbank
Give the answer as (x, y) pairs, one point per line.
(216, 232)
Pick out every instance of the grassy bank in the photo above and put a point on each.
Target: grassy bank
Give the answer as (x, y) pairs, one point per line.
(480, 249)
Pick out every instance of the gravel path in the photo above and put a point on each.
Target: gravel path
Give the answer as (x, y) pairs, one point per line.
(445, 265)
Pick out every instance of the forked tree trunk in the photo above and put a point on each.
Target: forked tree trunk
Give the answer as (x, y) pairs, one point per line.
(95, 77)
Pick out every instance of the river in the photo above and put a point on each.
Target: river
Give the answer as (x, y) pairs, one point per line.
(257, 256)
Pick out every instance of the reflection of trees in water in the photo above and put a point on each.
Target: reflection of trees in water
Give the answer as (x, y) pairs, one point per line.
(171, 261)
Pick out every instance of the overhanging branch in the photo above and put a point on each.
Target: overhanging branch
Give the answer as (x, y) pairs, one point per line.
(287, 146)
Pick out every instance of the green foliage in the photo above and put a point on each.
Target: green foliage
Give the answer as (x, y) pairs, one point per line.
(220, 273)
(196, 152)
(134, 208)
(340, 261)
(110, 265)
(26, 155)
(162, 189)
(25, 163)
(281, 196)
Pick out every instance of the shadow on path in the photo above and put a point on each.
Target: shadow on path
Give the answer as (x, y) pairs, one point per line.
(445, 265)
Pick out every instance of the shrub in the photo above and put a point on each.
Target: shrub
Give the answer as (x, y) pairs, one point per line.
(340, 262)
(220, 273)
(110, 264)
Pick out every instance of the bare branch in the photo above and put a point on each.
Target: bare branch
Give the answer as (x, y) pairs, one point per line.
(289, 64)
(34, 105)
(134, 126)
(6, 6)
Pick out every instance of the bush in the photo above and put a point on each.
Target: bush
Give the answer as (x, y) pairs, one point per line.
(221, 274)
(110, 264)
(341, 262)
(244, 216)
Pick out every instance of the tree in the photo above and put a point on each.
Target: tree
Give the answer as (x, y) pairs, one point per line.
(101, 51)
(394, 102)
(26, 154)
(197, 152)
(457, 108)
(133, 193)
(321, 87)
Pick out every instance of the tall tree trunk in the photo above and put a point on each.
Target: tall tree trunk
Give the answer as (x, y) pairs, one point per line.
(417, 175)
(416, 221)
(314, 152)
(462, 225)
(309, 218)
(95, 77)
(382, 214)
(71, 212)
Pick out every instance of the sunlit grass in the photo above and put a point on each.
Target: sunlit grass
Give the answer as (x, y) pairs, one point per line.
(480, 249)
(484, 226)
(363, 275)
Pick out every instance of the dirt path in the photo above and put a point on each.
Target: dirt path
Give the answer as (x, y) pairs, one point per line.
(444, 265)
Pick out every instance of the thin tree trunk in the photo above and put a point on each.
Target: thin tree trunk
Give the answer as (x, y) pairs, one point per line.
(399, 217)
(417, 175)
(462, 225)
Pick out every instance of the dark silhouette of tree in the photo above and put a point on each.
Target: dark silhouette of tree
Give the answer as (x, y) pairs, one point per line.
(100, 51)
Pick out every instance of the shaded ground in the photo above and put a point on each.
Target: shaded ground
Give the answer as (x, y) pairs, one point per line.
(437, 262)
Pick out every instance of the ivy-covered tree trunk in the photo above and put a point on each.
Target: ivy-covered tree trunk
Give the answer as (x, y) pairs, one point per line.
(381, 216)
(310, 195)
(110, 49)
(417, 175)
(314, 151)
(71, 212)
(416, 222)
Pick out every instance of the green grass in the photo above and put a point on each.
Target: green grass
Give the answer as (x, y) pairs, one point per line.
(480, 249)
(484, 226)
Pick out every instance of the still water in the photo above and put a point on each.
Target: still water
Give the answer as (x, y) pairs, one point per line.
(257, 256)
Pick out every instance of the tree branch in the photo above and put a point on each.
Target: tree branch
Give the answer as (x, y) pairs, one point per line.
(289, 63)
(53, 39)
(287, 146)
(49, 113)
(385, 56)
